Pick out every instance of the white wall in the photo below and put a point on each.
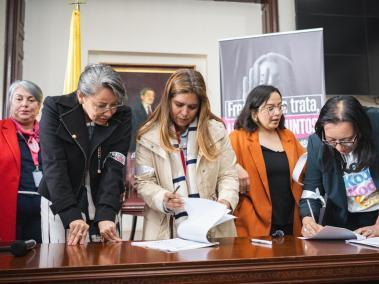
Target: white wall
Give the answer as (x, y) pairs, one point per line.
(134, 31)
(2, 49)
(287, 15)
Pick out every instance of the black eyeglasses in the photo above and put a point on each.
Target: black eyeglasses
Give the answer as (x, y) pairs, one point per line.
(343, 143)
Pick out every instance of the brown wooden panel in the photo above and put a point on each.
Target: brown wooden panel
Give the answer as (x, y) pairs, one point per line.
(270, 19)
(14, 46)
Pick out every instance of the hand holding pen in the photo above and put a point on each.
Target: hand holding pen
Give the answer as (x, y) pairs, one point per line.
(310, 226)
(172, 200)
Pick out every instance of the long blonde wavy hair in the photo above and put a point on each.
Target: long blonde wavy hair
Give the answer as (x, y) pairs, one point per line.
(183, 81)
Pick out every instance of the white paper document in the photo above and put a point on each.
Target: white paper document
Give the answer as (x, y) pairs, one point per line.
(373, 242)
(335, 233)
(172, 245)
(203, 215)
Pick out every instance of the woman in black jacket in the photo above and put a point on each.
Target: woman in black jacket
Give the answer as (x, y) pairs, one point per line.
(343, 164)
(84, 138)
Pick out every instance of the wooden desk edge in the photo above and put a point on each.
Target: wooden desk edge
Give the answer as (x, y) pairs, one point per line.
(316, 270)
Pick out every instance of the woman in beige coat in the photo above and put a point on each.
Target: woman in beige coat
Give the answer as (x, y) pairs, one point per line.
(184, 146)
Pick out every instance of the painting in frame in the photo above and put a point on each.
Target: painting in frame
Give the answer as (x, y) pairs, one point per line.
(139, 76)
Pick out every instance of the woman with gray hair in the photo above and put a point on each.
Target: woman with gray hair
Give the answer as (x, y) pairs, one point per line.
(85, 138)
(20, 164)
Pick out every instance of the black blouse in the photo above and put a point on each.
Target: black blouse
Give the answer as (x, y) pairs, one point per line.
(278, 175)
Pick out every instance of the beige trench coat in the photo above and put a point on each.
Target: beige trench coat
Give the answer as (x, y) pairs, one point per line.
(216, 180)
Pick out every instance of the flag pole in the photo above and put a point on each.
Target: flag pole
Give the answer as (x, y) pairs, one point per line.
(77, 3)
(73, 66)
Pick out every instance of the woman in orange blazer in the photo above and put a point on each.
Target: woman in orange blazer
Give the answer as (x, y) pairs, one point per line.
(266, 153)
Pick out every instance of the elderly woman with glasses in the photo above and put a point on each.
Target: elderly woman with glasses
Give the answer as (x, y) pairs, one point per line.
(20, 164)
(85, 138)
(343, 165)
(266, 154)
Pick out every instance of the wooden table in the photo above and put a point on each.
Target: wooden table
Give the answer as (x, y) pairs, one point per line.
(235, 260)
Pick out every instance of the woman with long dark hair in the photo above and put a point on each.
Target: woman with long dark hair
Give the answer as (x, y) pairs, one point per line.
(266, 153)
(343, 164)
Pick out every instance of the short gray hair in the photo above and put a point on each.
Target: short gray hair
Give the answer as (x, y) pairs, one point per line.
(97, 76)
(28, 86)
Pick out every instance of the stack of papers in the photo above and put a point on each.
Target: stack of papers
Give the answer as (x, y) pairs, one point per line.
(203, 215)
(172, 245)
(373, 242)
(335, 233)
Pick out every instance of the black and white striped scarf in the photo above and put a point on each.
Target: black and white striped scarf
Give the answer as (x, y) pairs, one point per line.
(185, 179)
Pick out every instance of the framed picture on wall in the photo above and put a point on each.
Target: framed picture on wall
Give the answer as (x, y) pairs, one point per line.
(138, 76)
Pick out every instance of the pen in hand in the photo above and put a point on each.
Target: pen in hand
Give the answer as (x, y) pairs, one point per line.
(310, 209)
(173, 202)
(176, 189)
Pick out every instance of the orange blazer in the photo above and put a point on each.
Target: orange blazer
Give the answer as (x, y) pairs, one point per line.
(255, 210)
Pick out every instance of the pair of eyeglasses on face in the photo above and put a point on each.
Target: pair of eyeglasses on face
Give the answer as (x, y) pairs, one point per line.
(103, 108)
(271, 109)
(346, 142)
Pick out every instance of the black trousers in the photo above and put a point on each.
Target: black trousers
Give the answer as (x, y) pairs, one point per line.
(28, 223)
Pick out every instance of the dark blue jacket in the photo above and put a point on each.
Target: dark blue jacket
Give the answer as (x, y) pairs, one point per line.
(139, 117)
(331, 182)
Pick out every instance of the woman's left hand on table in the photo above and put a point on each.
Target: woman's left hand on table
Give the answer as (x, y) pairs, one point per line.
(369, 231)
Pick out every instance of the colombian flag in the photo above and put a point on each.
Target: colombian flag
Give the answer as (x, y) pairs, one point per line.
(73, 58)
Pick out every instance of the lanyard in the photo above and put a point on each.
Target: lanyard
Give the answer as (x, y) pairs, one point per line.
(33, 148)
